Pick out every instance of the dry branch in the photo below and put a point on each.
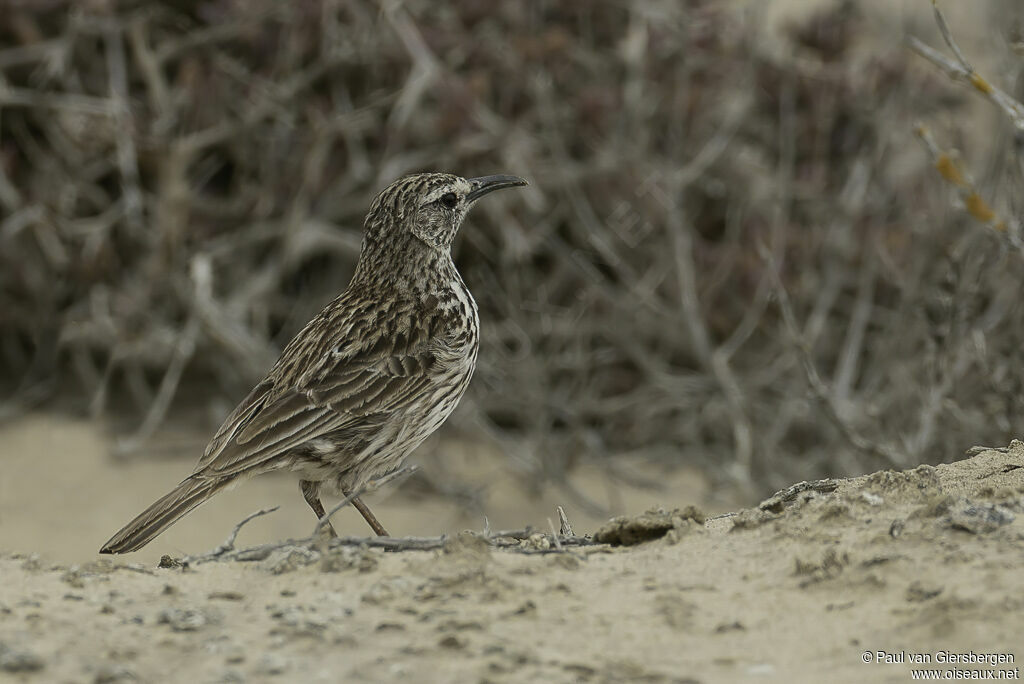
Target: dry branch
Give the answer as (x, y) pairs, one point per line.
(181, 190)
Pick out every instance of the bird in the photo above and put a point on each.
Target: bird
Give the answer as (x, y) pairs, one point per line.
(370, 377)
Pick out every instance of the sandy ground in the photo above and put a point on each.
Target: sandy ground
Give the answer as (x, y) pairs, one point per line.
(925, 561)
(62, 494)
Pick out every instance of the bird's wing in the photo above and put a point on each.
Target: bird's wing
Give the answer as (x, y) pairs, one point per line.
(328, 380)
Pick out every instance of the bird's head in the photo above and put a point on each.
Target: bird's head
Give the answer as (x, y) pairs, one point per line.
(427, 207)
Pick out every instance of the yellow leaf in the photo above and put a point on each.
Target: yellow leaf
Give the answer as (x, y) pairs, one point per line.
(977, 208)
(947, 168)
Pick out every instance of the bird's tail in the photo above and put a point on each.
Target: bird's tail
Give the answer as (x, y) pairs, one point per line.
(163, 513)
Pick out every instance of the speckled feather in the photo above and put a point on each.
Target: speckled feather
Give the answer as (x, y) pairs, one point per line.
(368, 378)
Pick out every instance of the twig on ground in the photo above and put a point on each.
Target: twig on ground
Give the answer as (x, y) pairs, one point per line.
(776, 501)
(554, 535)
(975, 450)
(228, 544)
(505, 540)
(564, 528)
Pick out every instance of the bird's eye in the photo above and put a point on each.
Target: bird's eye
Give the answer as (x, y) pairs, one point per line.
(449, 199)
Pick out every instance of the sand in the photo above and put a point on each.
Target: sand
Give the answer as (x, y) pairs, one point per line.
(804, 587)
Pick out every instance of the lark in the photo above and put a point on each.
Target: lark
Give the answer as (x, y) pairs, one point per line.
(369, 378)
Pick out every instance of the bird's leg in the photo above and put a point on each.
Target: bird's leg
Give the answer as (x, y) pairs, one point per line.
(369, 517)
(311, 493)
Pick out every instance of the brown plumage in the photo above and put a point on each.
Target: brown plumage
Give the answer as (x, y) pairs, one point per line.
(365, 381)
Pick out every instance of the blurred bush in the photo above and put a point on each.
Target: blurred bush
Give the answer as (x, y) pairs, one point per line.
(182, 185)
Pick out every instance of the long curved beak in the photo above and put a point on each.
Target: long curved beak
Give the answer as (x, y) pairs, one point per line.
(486, 184)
